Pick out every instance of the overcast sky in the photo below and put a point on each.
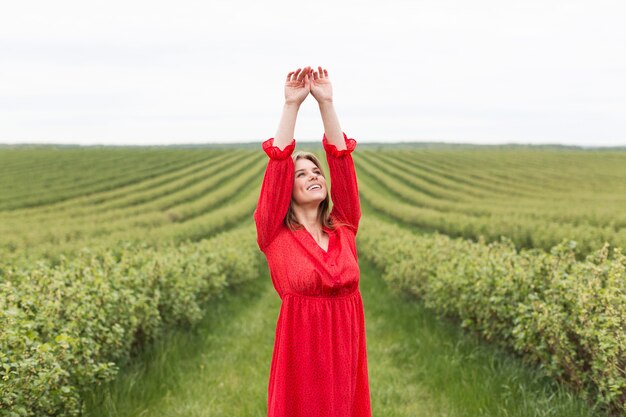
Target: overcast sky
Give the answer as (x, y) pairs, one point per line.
(156, 72)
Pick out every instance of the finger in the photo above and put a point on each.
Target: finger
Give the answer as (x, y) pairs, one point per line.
(321, 74)
(295, 74)
(289, 76)
(302, 74)
(315, 75)
(325, 74)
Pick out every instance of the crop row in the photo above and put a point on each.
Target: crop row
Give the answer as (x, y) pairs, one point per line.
(523, 231)
(161, 198)
(403, 190)
(237, 208)
(67, 327)
(120, 196)
(565, 315)
(555, 170)
(179, 205)
(571, 207)
(75, 173)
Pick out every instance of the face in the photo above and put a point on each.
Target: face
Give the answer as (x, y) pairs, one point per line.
(306, 175)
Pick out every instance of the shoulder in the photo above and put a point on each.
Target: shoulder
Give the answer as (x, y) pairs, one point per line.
(282, 238)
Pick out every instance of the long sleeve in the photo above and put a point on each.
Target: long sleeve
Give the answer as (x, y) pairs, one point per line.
(276, 192)
(344, 188)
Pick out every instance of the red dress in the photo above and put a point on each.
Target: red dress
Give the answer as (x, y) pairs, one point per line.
(319, 364)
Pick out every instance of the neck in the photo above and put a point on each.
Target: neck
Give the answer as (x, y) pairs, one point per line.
(308, 216)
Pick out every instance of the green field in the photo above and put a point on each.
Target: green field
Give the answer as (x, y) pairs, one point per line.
(131, 283)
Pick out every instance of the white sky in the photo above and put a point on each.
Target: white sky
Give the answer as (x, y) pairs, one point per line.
(156, 72)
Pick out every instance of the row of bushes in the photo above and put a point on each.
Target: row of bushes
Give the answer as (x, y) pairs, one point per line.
(568, 316)
(230, 214)
(525, 232)
(547, 197)
(138, 210)
(67, 327)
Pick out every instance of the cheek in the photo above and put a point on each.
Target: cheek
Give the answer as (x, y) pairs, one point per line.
(297, 186)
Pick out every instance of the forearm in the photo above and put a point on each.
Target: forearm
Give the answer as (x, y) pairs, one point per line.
(287, 125)
(333, 131)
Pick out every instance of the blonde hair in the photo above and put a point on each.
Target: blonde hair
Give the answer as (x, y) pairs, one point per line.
(323, 210)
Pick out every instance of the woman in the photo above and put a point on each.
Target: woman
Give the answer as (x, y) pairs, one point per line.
(319, 364)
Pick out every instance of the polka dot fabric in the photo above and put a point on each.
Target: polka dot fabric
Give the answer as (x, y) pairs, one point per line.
(319, 363)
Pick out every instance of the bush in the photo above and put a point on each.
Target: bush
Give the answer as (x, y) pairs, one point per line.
(68, 326)
(567, 316)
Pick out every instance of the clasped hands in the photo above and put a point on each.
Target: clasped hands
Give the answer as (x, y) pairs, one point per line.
(305, 80)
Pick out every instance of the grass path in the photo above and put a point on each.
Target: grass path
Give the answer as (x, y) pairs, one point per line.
(418, 365)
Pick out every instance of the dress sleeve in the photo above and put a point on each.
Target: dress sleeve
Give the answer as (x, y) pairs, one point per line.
(276, 191)
(344, 189)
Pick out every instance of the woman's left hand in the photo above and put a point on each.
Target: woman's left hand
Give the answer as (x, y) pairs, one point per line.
(321, 88)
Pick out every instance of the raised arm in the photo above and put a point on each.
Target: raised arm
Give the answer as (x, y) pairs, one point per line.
(322, 90)
(277, 185)
(297, 88)
(275, 192)
(344, 188)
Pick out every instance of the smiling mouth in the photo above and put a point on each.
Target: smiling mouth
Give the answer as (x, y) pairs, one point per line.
(315, 187)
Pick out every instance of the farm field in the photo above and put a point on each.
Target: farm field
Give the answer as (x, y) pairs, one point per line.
(493, 280)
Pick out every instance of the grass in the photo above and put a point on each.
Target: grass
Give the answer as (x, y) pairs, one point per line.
(460, 374)
(419, 365)
(217, 369)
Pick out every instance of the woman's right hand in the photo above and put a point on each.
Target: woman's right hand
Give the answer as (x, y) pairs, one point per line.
(298, 85)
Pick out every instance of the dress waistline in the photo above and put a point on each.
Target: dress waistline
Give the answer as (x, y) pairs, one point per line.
(322, 297)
